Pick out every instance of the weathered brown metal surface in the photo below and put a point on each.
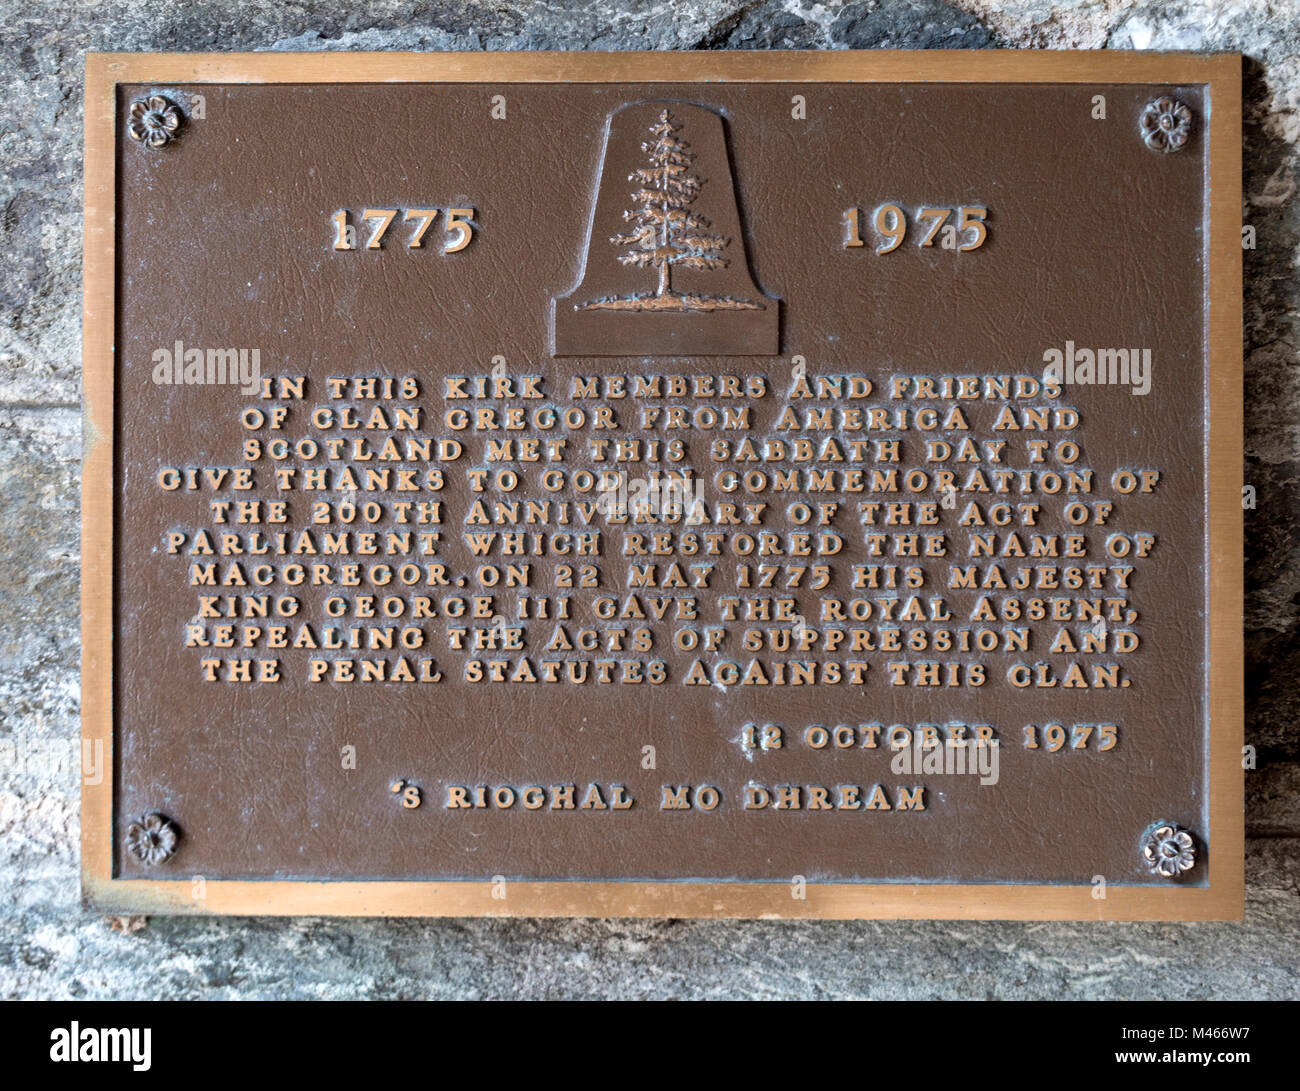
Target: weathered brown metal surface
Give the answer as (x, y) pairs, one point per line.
(825, 409)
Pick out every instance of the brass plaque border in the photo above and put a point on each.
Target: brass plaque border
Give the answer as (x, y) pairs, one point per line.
(1221, 899)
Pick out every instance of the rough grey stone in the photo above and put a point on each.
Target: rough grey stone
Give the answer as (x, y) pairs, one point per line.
(62, 954)
(50, 948)
(1273, 799)
(914, 24)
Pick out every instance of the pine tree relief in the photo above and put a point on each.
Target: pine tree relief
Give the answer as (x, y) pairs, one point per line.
(664, 232)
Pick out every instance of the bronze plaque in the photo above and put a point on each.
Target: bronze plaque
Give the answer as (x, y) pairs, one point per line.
(707, 484)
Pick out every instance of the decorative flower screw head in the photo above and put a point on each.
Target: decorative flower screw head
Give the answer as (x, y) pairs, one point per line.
(1166, 124)
(1169, 850)
(152, 121)
(152, 840)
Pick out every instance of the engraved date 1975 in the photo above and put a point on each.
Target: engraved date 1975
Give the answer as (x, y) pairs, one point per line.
(961, 229)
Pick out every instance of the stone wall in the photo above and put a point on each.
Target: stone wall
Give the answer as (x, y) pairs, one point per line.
(50, 948)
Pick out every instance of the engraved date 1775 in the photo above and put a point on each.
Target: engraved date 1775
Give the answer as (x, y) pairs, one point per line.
(457, 224)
